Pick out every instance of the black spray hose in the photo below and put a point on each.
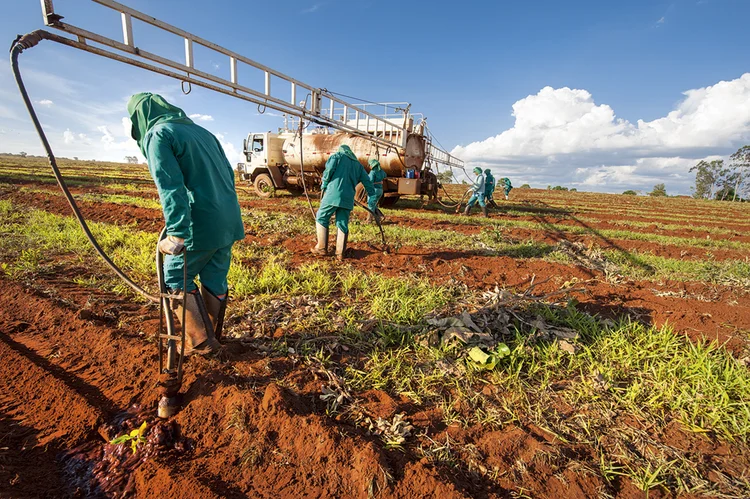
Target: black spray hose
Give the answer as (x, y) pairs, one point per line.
(21, 44)
(377, 221)
(444, 205)
(302, 168)
(458, 207)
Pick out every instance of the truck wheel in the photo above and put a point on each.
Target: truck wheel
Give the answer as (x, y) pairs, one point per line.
(264, 186)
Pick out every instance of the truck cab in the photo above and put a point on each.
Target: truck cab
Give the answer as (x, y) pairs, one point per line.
(263, 163)
(255, 150)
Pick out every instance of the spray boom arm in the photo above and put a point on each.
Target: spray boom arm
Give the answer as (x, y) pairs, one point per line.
(303, 101)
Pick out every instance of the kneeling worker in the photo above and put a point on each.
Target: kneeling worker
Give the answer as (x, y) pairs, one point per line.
(477, 190)
(342, 174)
(377, 175)
(196, 189)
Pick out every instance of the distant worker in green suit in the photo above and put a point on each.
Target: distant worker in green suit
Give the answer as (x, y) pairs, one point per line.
(489, 188)
(507, 187)
(196, 188)
(477, 190)
(377, 175)
(342, 174)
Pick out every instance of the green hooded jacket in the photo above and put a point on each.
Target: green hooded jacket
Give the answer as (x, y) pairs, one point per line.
(377, 175)
(342, 174)
(193, 176)
(489, 183)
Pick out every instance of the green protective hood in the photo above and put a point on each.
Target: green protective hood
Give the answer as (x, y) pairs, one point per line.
(147, 110)
(346, 151)
(487, 171)
(478, 170)
(374, 164)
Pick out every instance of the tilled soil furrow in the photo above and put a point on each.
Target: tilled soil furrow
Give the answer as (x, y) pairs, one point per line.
(140, 218)
(45, 398)
(700, 310)
(151, 220)
(27, 470)
(97, 362)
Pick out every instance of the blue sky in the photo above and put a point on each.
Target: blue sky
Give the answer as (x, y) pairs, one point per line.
(548, 92)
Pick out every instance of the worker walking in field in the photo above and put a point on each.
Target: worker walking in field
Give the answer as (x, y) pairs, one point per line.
(377, 175)
(477, 190)
(507, 187)
(342, 174)
(196, 189)
(489, 188)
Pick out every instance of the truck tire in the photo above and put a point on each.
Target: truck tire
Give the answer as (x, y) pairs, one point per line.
(264, 186)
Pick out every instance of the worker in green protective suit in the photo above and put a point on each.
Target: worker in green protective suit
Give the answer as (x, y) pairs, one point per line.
(477, 190)
(196, 188)
(377, 175)
(507, 186)
(342, 174)
(489, 188)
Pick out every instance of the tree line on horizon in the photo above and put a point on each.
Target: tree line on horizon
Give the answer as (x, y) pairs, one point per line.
(723, 181)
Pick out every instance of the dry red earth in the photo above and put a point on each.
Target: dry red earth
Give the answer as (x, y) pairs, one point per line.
(73, 359)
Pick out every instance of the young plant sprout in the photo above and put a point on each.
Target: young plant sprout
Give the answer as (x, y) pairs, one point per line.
(135, 437)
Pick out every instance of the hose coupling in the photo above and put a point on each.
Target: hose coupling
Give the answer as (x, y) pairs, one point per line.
(30, 39)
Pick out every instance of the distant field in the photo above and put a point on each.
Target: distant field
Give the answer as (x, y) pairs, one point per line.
(626, 321)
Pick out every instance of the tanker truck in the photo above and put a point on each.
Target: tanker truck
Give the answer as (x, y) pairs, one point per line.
(277, 161)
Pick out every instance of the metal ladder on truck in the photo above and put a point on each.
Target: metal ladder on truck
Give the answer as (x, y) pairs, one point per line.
(278, 91)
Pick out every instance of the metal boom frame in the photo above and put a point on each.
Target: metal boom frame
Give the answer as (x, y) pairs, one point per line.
(312, 108)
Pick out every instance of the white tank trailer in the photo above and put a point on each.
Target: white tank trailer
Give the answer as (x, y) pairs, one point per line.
(274, 161)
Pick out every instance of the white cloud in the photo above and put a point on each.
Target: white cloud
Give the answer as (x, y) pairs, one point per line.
(562, 135)
(45, 102)
(233, 155)
(75, 138)
(660, 21)
(201, 117)
(107, 136)
(109, 146)
(126, 126)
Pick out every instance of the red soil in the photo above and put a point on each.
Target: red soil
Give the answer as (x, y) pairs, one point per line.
(62, 377)
(73, 359)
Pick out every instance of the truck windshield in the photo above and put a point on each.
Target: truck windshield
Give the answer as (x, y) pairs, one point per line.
(257, 144)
